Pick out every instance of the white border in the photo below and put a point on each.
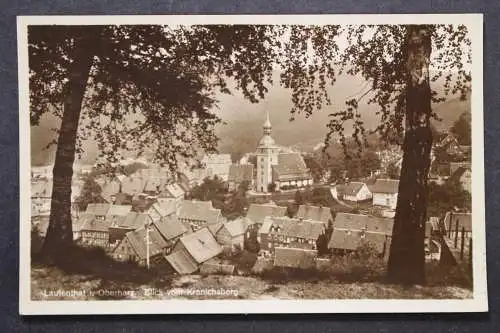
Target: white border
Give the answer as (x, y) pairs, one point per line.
(479, 303)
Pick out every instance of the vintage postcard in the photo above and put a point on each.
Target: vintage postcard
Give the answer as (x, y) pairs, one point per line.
(251, 164)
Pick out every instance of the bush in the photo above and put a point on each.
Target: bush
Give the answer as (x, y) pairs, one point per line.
(364, 264)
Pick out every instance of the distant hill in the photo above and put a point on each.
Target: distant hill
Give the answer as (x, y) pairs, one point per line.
(243, 128)
(450, 110)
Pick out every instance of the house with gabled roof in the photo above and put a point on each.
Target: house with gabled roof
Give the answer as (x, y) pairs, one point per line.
(350, 240)
(99, 210)
(119, 226)
(192, 250)
(350, 231)
(356, 192)
(162, 207)
(198, 214)
(119, 210)
(231, 234)
(385, 192)
(163, 235)
(95, 232)
(349, 221)
(290, 232)
(217, 165)
(315, 213)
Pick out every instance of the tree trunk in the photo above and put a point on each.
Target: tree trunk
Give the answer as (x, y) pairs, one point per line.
(407, 256)
(59, 233)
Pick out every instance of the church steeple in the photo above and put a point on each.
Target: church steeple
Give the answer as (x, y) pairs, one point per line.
(267, 125)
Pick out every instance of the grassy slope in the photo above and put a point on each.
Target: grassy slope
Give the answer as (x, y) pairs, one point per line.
(44, 278)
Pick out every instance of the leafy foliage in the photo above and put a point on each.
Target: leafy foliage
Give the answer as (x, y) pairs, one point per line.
(91, 193)
(462, 129)
(448, 196)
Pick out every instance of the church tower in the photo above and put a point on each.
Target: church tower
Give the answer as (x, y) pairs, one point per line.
(267, 156)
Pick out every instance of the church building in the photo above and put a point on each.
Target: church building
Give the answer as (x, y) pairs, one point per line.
(284, 169)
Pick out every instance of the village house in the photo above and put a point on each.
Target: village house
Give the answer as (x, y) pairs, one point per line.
(192, 250)
(239, 173)
(217, 165)
(98, 210)
(290, 232)
(350, 231)
(463, 176)
(188, 178)
(119, 226)
(356, 192)
(349, 221)
(198, 214)
(119, 210)
(162, 208)
(231, 235)
(294, 257)
(315, 213)
(95, 232)
(385, 193)
(256, 214)
(162, 237)
(78, 224)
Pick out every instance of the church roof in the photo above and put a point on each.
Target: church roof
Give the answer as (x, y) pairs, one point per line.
(290, 166)
(240, 172)
(267, 141)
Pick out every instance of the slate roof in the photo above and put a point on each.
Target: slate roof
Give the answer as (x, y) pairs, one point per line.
(133, 220)
(294, 258)
(92, 224)
(291, 166)
(351, 239)
(385, 186)
(303, 229)
(170, 227)
(359, 222)
(121, 210)
(314, 213)
(201, 245)
(352, 188)
(199, 210)
(256, 213)
(214, 227)
(164, 206)
(464, 220)
(98, 209)
(235, 227)
(81, 221)
(137, 239)
(182, 262)
(240, 172)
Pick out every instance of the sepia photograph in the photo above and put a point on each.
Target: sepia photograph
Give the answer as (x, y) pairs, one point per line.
(251, 164)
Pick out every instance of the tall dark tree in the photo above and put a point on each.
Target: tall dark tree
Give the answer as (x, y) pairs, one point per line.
(462, 129)
(136, 87)
(395, 61)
